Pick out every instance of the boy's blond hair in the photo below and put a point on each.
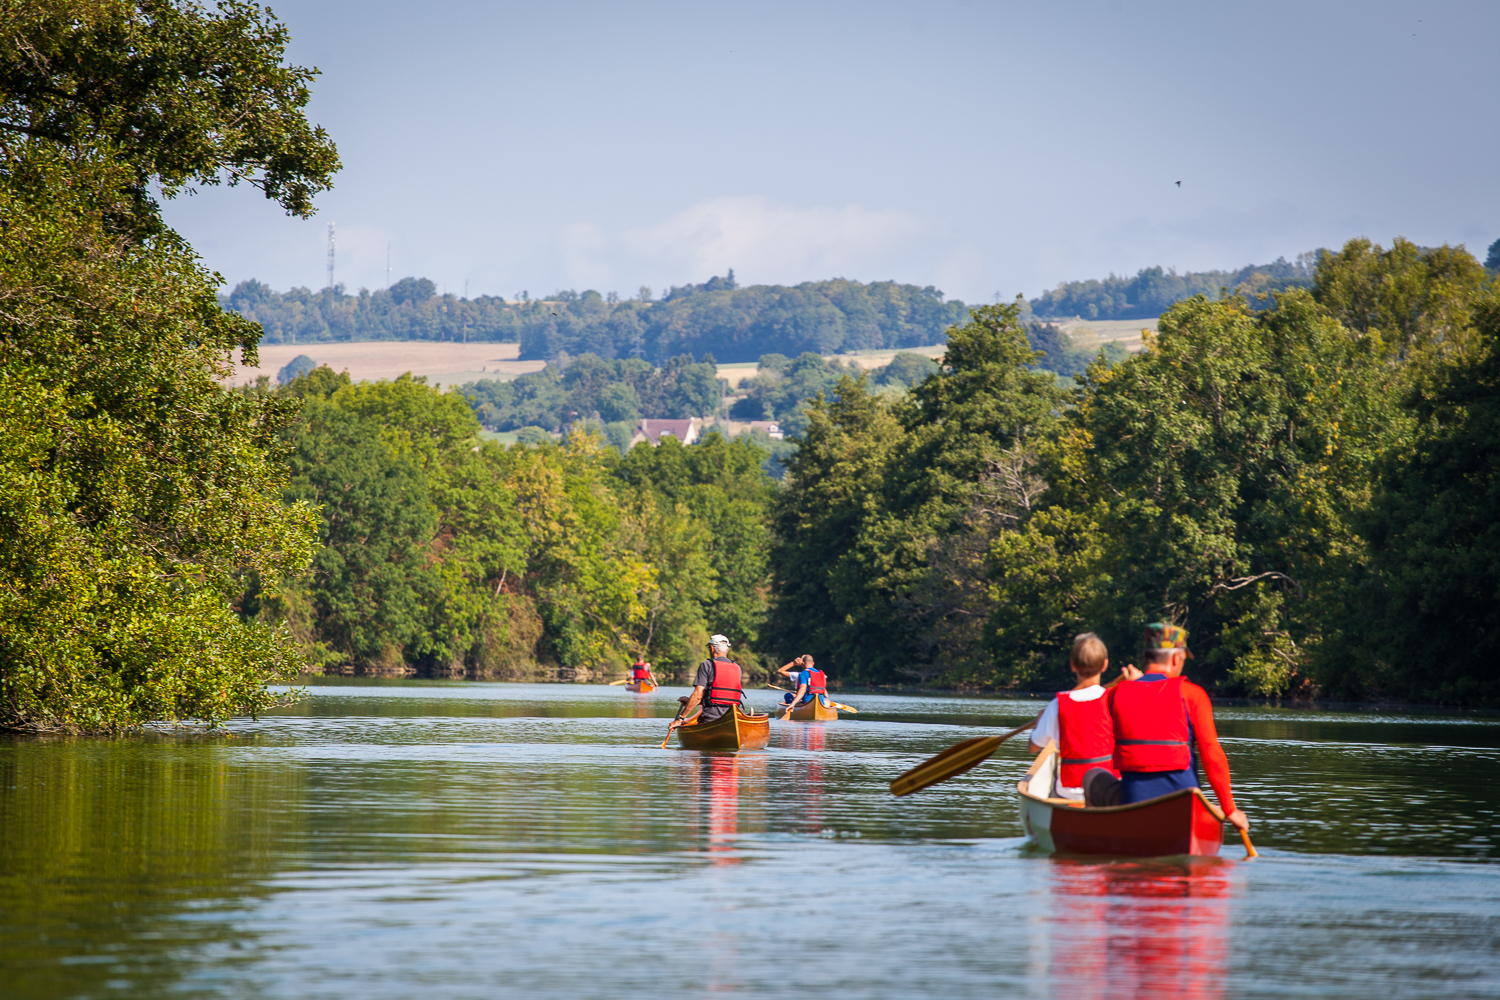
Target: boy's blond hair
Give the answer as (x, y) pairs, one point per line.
(1089, 655)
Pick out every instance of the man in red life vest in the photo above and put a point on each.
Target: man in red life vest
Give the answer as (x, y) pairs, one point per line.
(718, 684)
(640, 670)
(1157, 721)
(1079, 721)
(811, 682)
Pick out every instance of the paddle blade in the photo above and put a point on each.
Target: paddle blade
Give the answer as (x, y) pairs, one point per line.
(955, 760)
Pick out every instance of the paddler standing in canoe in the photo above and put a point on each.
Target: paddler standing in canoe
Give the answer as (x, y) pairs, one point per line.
(1079, 721)
(718, 684)
(1157, 721)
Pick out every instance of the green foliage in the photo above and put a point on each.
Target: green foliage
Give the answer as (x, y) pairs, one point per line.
(172, 94)
(410, 310)
(1062, 356)
(882, 523)
(905, 370)
(135, 490)
(1423, 614)
(446, 555)
(782, 387)
(589, 387)
(1152, 291)
(1411, 300)
(300, 365)
(136, 493)
(717, 317)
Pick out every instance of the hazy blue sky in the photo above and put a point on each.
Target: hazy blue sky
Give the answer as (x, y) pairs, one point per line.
(982, 147)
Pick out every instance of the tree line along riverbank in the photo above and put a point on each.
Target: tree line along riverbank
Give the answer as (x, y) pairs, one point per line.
(1310, 486)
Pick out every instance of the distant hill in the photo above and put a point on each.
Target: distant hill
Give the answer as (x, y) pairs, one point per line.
(1153, 290)
(715, 318)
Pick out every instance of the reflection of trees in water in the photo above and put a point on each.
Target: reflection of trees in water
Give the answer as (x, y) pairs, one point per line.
(107, 846)
(1156, 929)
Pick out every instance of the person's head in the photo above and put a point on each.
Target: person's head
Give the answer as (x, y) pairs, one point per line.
(807, 661)
(1166, 649)
(718, 644)
(1089, 657)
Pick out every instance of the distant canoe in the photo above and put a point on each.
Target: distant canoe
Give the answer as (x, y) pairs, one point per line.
(1182, 822)
(814, 711)
(643, 687)
(734, 730)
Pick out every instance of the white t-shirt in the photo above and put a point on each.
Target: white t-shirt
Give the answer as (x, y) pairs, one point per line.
(1047, 729)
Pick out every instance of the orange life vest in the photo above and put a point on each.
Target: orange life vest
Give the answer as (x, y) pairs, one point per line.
(725, 688)
(1086, 738)
(1151, 726)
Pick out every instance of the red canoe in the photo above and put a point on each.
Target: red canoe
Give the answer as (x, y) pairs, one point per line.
(1180, 823)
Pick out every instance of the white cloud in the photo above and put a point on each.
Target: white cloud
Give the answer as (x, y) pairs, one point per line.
(765, 242)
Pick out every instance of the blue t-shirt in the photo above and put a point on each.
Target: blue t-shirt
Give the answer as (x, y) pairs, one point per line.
(805, 677)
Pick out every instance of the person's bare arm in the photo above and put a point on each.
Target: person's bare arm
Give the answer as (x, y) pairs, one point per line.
(690, 703)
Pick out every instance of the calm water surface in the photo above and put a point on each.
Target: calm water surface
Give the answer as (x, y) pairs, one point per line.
(478, 840)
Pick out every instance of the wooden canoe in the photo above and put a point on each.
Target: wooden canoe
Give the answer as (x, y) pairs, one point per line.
(641, 687)
(1183, 822)
(813, 711)
(734, 730)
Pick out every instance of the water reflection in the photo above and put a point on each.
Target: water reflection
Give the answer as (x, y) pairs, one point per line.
(1156, 929)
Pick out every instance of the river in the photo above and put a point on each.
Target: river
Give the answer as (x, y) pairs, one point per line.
(461, 840)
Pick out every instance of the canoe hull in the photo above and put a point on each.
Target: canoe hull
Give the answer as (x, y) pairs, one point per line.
(644, 687)
(1180, 823)
(734, 730)
(814, 711)
(1183, 822)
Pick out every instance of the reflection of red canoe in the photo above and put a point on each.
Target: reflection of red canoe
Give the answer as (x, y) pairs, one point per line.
(734, 730)
(1180, 823)
(642, 687)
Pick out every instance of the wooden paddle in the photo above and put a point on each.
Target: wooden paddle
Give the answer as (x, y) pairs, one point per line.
(842, 707)
(681, 704)
(955, 760)
(625, 681)
(1250, 851)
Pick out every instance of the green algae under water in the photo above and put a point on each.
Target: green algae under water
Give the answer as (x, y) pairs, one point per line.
(483, 840)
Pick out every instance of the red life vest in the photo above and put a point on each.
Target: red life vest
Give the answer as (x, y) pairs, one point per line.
(724, 687)
(639, 671)
(1086, 735)
(817, 682)
(1151, 726)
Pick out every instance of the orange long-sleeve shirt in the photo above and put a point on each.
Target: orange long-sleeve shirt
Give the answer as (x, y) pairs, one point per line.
(1200, 713)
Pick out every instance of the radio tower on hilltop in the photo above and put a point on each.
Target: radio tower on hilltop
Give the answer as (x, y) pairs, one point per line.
(330, 255)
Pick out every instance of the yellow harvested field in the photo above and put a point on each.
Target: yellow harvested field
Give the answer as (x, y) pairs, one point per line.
(1092, 334)
(739, 372)
(369, 361)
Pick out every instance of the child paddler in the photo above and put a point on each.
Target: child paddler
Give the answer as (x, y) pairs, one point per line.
(1078, 719)
(718, 684)
(1158, 719)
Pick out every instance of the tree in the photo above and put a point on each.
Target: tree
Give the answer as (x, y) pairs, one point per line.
(137, 494)
(172, 94)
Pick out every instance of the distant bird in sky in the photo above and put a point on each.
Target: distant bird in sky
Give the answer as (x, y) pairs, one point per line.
(1179, 183)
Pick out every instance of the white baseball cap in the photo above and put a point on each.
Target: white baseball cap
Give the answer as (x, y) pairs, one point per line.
(718, 640)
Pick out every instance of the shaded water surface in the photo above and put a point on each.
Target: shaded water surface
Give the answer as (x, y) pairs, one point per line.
(476, 840)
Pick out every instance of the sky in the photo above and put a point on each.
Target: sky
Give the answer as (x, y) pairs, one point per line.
(988, 149)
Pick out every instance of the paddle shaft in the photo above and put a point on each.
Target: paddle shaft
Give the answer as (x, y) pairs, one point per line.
(1250, 851)
(625, 681)
(953, 761)
(681, 705)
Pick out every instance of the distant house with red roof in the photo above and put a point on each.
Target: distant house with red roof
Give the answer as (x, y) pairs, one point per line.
(651, 431)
